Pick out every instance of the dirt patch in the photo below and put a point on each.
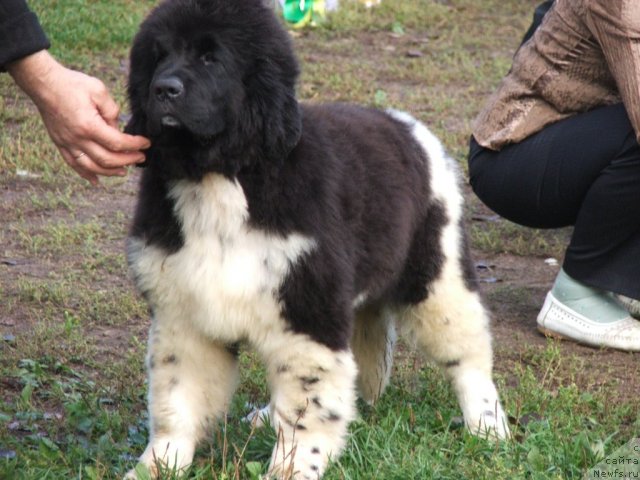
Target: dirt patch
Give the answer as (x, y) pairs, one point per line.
(514, 288)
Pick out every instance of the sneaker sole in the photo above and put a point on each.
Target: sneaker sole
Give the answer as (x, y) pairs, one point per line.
(558, 336)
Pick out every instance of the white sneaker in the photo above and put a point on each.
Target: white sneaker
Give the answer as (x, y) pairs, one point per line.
(557, 320)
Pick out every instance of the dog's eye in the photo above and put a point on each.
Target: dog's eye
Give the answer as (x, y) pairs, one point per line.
(208, 58)
(159, 53)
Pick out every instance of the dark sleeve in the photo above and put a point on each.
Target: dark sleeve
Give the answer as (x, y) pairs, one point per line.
(20, 32)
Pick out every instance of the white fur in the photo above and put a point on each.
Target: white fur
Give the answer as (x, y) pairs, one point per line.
(219, 288)
(360, 299)
(312, 404)
(191, 380)
(224, 277)
(452, 325)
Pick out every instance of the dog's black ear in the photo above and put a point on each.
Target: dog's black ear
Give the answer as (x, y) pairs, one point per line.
(282, 127)
(137, 126)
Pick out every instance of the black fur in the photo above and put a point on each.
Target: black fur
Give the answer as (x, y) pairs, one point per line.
(239, 105)
(353, 179)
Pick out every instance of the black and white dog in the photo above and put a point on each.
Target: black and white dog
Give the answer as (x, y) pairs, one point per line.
(310, 232)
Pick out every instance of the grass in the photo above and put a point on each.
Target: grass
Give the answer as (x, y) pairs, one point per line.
(65, 424)
(73, 332)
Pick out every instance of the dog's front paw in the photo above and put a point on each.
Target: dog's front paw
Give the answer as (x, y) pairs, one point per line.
(163, 457)
(484, 416)
(483, 413)
(302, 472)
(141, 472)
(489, 421)
(302, 462)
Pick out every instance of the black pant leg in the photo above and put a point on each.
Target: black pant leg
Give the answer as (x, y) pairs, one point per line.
(605, 246)
(582, 171)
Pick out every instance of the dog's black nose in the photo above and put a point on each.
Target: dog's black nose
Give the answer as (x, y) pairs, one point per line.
(168, 88)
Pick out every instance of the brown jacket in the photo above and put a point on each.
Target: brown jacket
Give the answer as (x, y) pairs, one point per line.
(585, 54)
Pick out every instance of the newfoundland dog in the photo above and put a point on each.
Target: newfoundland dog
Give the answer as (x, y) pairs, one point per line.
(309, 232)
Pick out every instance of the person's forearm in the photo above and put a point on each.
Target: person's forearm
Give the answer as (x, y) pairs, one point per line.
(32, 72)
(80, 116)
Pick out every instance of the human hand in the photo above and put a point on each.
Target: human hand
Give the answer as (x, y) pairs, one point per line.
(80, 116)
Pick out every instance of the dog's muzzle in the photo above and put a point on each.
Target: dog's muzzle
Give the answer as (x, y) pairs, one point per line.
(168, 89)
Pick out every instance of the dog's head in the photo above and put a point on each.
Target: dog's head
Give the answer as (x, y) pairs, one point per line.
(212, 84)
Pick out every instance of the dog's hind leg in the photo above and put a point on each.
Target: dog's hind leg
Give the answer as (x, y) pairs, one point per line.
(373, 341)
(312, 403)
(452, 326)
(445, 315)
(191, 380)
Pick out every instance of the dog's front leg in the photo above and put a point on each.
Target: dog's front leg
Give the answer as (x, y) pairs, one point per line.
(191, 380)
(312, 403)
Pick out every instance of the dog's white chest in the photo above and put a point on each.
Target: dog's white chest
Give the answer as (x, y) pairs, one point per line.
(226, 277)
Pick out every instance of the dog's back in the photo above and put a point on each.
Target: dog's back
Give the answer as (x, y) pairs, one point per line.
(380, 185)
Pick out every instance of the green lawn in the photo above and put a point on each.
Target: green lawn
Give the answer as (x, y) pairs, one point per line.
(73, 330)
